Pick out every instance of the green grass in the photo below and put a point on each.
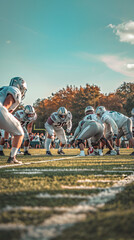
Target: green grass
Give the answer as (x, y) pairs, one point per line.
(20, 187)
(112, 222)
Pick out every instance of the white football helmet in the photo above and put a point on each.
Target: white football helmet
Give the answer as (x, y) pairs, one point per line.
(100, 110)
(132, 112)
(62, 113)
(89, 110)
(29, 112)
(20, 84)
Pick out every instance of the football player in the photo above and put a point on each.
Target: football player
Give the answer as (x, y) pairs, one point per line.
(88, 129)
(54, 125)
(10, 98)
(121, 125)
(26, 117)
(90, 115)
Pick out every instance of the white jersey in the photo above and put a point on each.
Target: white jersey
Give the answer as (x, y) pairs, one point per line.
(91, 117)
(114, 119)
(23, 118)
(55, 121)
(119, 118)
(16, 94)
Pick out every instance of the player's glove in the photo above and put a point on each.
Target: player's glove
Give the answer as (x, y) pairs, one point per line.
(68, 130)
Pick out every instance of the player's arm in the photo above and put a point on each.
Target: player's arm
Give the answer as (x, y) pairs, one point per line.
(8, 101)
(69, 126)
(49, 127)
(73, 138)
(112, 124)
(69, 123)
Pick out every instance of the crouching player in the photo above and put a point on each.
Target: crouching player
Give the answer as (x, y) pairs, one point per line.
(54, 125)
(26, 117)
(10, 98)
(122, 123)
(87, 129)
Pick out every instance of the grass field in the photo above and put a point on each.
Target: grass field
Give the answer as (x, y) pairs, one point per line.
(67, 197)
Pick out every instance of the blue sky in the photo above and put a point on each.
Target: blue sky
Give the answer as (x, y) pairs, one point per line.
(55, 43)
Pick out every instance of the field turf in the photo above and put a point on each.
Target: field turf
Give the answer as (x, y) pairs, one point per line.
(67, 197)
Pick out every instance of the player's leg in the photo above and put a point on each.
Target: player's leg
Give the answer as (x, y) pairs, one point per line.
(60, 133)
(26, 141)
(11, 125)
(4, 138)
(48, 140)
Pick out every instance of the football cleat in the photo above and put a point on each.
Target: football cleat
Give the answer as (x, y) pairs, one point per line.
(100, 152)
(113, 153)
(48, 153)
(27, 153)
(13, 160)
(60, 152)
(2, 153)
(82, 154)
(19, 153)
(132, 154)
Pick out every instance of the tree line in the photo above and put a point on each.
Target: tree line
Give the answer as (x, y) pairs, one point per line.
(76, 99)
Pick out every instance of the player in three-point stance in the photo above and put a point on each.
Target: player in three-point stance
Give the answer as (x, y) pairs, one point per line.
(54, 126)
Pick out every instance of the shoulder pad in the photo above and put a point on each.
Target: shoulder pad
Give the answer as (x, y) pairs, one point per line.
(54, 116)
(15, 92)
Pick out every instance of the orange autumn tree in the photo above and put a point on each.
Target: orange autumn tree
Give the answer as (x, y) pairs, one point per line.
(77, 99)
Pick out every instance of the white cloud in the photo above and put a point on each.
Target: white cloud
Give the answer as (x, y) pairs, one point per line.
(125, 66)
(119, 64)
(125, 31)
(130, 66)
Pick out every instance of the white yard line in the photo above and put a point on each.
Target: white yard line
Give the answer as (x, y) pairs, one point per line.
(57, 196)
(28, 163)
(96, 180)
(36, 170)
(81, 187)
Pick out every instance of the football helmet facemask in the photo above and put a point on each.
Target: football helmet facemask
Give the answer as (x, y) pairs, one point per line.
(100, 110)
(29, 112)
(62, 113)
(89, 110)
(20, 84)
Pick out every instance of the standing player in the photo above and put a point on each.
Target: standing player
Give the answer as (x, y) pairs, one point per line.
(10, 98)
(54, 125)
(26, 117)
(121, 125)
